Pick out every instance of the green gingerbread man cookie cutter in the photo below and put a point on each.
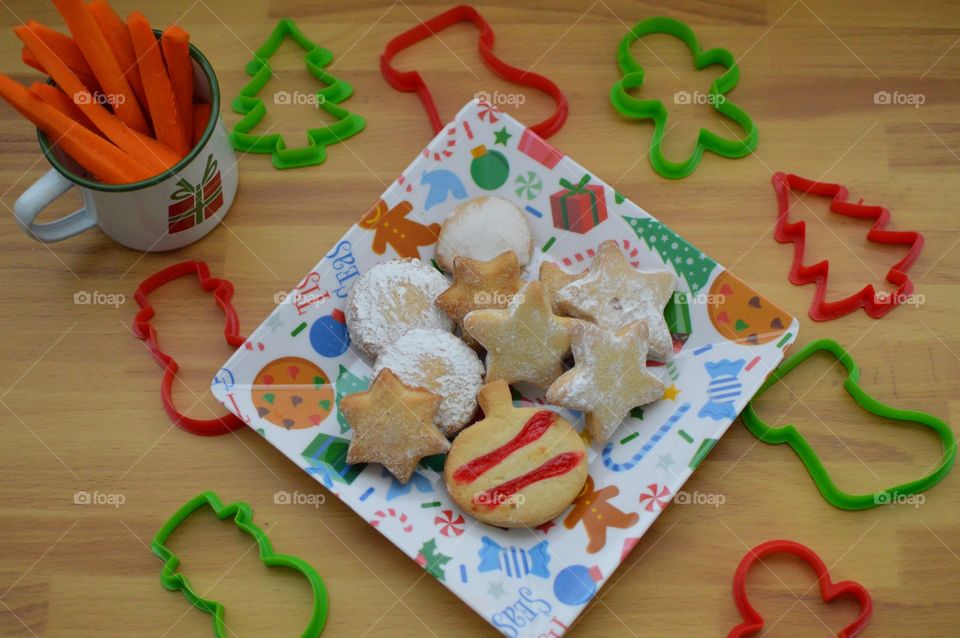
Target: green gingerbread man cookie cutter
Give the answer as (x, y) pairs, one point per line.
(242, 515)
(790, 435)
(328, 98)
(633, 76)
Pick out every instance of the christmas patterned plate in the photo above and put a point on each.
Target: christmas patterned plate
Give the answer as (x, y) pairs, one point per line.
(288, 380)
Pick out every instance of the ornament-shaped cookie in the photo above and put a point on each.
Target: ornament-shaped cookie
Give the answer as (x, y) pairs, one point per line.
(610, 376)
(614, 293)
(393, 425)
(518, 467)
(525, 341)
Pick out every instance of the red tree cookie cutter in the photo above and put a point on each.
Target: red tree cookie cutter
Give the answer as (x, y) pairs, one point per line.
(411, 81)
(876, 305)
(829, 590)
(222, 291)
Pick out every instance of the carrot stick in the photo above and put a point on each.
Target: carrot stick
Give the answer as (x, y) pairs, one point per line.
(201, 117)
(92, 152)
(62, 102)
(104, 64)
(167, 121)
(151, 153)
(63, 45)
(88, 80)
(118, 37)
(176, 53)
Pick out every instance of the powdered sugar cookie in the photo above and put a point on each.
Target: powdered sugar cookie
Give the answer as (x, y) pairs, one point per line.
(441, 363)
(518, 467)
(391, 299)
(553, 278)
(483, 228)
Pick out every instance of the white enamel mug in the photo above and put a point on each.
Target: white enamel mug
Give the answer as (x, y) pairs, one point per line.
(167, 211)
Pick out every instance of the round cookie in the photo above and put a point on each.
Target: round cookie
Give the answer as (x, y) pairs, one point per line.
(439, 362)
(292, 393)
(483, 228)
(391, 299)
(518, 467)
(741, 315)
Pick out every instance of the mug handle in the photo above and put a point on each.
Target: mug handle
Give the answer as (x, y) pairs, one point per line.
(40, 195)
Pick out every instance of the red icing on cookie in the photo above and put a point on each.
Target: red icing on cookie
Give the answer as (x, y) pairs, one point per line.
(532, 430)
(557, 466)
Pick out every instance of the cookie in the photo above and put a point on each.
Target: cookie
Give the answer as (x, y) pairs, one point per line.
(553, 278)
(741, 315)
(480, 284)
(439, 362)
(292, 393)
(525, 341)
(483, 228)
(609, 378)
(614, 293)
(391, 299)
(393, 425)
(518, 467)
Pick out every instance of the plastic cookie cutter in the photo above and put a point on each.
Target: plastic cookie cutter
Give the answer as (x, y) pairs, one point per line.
(790, 435)
(411, 81)
(633, 76)
(222, 291)
(242, 516)
(328, 98)
(753, 622)
(875, 304)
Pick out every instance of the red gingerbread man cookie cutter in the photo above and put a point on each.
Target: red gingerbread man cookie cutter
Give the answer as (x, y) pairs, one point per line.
(222, 291)
(410, 81)
(753, 622)
(875, 304)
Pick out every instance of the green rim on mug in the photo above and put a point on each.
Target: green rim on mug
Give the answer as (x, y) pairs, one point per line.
(47, 147)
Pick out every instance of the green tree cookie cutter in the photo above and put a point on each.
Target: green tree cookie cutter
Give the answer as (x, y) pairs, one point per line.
(328, 98)
(790, 435)
(633, 75)
(243, 518)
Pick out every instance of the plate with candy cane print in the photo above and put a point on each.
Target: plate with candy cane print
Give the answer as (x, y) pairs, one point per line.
(524, 582)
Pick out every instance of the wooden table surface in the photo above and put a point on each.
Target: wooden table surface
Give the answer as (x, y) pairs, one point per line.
(78, 394)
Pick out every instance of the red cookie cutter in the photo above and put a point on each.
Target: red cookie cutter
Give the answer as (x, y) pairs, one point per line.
(411, 81)
(753, 621)
(876, 305)
(222, 291)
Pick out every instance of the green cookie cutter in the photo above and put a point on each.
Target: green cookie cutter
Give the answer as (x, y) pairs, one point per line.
(243, 518)
(655, 110)
(790, 435)
(328, 98)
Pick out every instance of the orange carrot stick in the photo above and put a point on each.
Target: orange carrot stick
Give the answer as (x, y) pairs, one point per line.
(92, 152)
(62, 102)
(88, 80)
(176, 53)
(151, 153)
(104, 64)
(63, 45)
(167, 121)
(201, 117)
(118, 37)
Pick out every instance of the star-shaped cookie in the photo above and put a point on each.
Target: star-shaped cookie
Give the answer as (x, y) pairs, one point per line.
(553, 278)
(480, 284)
(610, 376)
(393, 425)
(614, 293)
(525, 341)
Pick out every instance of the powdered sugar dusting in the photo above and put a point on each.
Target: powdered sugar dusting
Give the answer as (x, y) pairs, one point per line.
(483, 228)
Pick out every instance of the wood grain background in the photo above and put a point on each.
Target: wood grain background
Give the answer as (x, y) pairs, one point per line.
(78, 394)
